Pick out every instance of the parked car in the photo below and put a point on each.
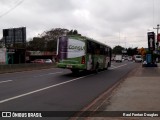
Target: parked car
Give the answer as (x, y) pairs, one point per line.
(38, 61)
(48, 60)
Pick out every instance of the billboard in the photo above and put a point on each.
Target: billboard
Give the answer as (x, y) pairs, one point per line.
(158, 38)
(151, 41)
(14, 35)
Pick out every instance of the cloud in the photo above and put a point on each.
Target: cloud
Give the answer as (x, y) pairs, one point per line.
(108, 21)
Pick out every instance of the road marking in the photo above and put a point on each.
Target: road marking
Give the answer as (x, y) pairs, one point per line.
(118, 67)
(54, 73)
(113, 66)
(42, 89)
(47, 74)
(6, 81)
(52, 86)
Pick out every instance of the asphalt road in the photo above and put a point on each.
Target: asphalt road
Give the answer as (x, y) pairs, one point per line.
(56, 89)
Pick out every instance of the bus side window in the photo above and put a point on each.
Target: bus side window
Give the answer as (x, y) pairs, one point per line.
(102, 50)
(90, 47)
(97, 48)
(106, 51)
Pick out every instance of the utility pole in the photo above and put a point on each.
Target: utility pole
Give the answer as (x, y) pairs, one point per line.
(157, 44)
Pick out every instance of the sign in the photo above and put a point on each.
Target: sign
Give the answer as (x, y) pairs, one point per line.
(158, 38)
(41, 53)
(14, 35)
(151, 41)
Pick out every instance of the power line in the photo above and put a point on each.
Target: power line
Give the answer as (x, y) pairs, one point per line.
(12, 8)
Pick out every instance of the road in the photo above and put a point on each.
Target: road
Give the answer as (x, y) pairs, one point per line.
(56, 89)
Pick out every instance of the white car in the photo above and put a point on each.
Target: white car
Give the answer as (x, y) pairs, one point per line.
(138, 58)
(48, 60)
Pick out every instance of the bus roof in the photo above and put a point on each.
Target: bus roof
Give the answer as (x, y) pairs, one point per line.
(86, 38)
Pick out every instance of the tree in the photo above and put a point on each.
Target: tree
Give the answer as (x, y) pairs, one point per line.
(75, 32)
(52, 45)
(47, 41)
(37, 44)
(118, 49)
(142, 51)
(132, 51)
(70, 32)
(53, 34)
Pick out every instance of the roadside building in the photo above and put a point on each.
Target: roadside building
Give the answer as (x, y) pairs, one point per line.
(32, 55)
(3, 56)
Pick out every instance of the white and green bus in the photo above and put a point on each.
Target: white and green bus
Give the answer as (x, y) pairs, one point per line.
(81, 53)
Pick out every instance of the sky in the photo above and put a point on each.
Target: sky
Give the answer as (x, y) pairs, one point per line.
(113, 22)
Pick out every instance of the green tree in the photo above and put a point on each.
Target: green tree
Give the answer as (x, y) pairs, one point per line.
(52, 45)
(75, 32)
(37, 44)
(47, 41)
(118, 49)
(53, 34)
(132, 51)
(70, 32)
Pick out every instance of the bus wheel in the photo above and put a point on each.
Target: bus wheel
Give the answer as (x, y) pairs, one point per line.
(75, 71)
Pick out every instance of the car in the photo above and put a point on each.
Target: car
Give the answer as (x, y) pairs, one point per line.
(48, 60)
(130, 58)
(38, 61)
(138, 58)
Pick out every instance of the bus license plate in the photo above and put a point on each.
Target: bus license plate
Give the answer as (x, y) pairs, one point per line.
(69, 66)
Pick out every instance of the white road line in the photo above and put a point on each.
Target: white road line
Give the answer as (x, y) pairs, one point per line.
(118, 67)
(47, 74)
(113, 66)
(6, 81)
(52, 86)
(54, 73)
(42, 89)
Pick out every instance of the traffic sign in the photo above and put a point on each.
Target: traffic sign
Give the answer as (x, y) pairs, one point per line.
(151, 41)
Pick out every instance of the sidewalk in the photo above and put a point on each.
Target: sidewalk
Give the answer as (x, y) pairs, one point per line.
(140, 91)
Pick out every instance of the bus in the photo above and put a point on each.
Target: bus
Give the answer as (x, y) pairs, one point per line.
(77, 53)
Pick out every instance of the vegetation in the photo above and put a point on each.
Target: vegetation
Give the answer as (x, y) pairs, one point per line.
(130, 51)
(117, 50)
(47, 41)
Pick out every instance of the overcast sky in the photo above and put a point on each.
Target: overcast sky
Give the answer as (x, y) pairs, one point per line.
(114, 22)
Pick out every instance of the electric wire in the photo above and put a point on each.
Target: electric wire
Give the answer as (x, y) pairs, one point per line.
(16, 4)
